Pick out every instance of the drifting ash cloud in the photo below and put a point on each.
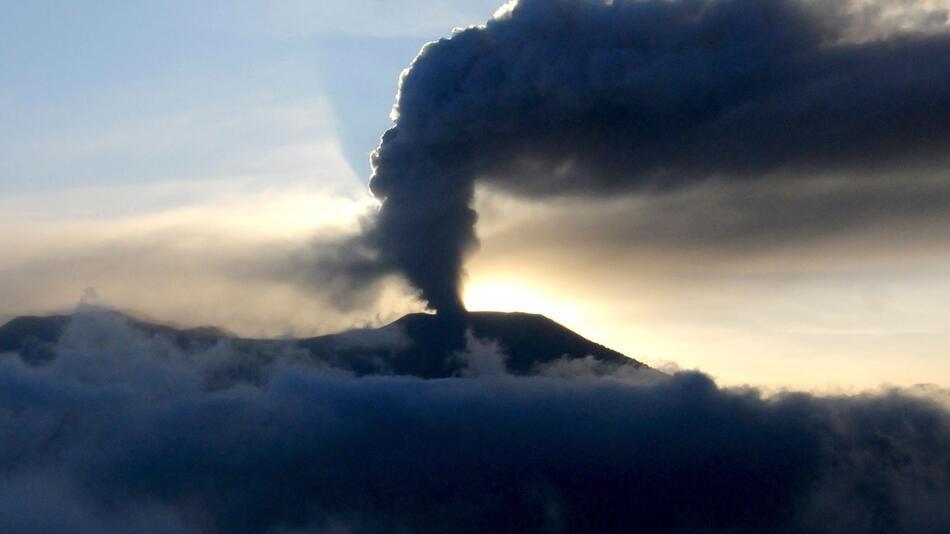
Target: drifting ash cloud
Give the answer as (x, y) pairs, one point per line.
(598, 98)
(121, 432)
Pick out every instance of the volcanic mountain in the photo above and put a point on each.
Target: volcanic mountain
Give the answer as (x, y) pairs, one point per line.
(423, 345)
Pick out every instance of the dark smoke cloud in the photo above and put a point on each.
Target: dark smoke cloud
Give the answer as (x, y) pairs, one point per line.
(726, 220)
(597, 98)
(121, 433)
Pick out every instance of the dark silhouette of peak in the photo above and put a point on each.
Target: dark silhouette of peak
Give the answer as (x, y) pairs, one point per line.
(36, 337)
(424, 345)
(526, 339)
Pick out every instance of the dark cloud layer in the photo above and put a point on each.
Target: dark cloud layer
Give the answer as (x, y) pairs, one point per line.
(121, 433)
(725, 220)
(594, 98)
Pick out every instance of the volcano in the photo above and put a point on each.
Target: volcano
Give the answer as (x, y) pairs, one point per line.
(422, 345)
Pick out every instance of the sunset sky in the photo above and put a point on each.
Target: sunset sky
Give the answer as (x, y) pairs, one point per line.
(187, 160)
(260, 262)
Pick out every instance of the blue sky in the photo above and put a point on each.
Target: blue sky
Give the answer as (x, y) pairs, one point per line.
(100, 93)
(175, 128)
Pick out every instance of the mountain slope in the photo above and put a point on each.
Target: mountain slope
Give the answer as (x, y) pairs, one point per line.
(424, 345)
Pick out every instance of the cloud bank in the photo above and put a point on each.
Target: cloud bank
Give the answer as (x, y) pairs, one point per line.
(599, 98)
(123, 433)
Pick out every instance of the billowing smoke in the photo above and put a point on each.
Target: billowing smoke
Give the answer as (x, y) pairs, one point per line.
(598, 97)
(124, 432)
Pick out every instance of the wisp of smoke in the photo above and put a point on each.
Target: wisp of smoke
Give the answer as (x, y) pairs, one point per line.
(596, 97)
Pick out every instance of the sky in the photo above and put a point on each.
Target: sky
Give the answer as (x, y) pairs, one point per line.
(189, 160)
(748, 195)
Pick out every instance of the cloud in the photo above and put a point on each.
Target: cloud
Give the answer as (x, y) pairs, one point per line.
(871, 19)
(727, 220)
(592, 368)
(482, 357)
(593, 98)
(119, 427)
(248, 254)
(738, 280)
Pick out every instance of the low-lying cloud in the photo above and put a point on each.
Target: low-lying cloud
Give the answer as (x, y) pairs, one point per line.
(122, 432)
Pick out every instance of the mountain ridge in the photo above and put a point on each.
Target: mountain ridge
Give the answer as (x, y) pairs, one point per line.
(419, 344)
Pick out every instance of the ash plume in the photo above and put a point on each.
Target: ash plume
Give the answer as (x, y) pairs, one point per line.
(598, 98)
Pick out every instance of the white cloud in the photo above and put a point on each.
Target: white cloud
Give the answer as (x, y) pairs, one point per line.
(876, 18)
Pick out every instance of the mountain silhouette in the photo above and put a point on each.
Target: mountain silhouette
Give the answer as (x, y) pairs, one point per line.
(423, 345)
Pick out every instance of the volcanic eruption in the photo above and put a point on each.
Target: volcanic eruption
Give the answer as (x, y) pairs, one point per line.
(599, 98)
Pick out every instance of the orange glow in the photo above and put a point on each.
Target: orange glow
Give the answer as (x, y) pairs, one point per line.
(516, 295)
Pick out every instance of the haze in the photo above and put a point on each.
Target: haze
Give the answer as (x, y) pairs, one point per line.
(190, 162)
